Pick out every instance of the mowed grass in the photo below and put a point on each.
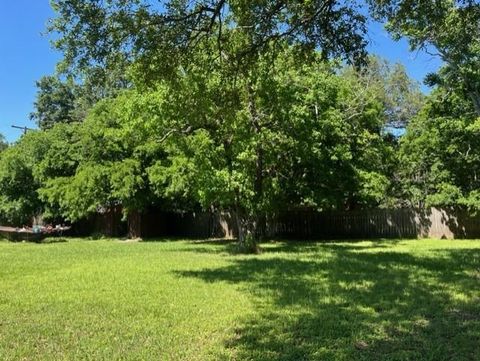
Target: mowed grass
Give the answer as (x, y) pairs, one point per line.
(186, 300)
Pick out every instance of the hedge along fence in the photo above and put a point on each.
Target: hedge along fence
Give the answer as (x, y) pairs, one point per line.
(374, 223)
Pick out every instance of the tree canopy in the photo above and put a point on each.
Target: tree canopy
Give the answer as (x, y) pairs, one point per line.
(286, 136)
(446, 28)
(167, 32)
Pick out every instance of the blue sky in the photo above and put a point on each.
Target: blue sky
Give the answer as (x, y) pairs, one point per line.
(26, 56)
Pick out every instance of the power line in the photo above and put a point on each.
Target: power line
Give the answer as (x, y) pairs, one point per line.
(25, 129)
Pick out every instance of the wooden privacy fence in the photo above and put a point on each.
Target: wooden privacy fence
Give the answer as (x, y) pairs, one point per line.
(374, 223)
(339, 225)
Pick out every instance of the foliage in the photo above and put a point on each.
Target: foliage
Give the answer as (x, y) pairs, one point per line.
(438, 163)
(18, 186)
(187, 104)
(69, 101)
(107, 168)
(400, 95)
(249, 116)
(447, 28)
(55, 102)
(3, 143)
(158, 37)
(184, 300)
(439, 154)
(286, 135)
(214, 60)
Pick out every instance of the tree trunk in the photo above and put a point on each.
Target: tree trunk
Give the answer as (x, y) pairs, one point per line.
(250, 231)
(134, 220)
(251, 227)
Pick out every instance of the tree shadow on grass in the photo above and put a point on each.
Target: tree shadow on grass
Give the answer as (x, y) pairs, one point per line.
(230, 246)
(308, 247)
(162, 239)
(350, 305)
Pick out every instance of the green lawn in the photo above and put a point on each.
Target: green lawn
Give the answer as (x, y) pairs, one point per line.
(185, 300)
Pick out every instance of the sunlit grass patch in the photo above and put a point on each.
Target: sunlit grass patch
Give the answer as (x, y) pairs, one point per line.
(186, 300)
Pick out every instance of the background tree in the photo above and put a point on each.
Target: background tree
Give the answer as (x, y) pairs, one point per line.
(439, 165)
(447, 28)
(55, 102)
(102, 165)
(439, 155)
(67, 101)
(19, 200)
(400, 95)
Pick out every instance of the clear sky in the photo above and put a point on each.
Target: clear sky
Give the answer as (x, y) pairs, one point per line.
(26, 55)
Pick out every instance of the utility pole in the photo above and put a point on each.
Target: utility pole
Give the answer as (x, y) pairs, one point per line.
(25, 129)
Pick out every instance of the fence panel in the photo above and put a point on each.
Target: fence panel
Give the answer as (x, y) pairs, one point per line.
(372, 223)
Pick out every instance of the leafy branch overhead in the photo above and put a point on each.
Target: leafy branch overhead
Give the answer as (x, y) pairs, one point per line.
(448, 29)
(163, 35)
